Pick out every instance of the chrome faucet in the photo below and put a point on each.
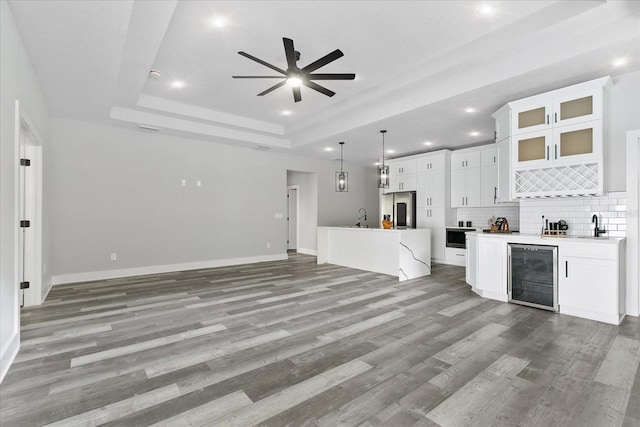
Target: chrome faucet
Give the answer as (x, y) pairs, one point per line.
(597, 231)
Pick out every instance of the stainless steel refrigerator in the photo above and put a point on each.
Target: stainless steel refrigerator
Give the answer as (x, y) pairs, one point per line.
(401, 208)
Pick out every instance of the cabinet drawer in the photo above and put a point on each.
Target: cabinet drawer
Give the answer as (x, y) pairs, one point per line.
(593, 250)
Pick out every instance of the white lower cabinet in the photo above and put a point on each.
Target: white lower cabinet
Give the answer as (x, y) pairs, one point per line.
(455, 256)
(491, 280)
(590, 274)
(434, 219)
(589, 282)
(471, 260)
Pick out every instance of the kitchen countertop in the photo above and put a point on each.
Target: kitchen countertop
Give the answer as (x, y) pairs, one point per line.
(372, 228)
(548, 240)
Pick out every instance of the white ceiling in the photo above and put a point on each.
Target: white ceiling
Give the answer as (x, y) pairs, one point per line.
(418, 64)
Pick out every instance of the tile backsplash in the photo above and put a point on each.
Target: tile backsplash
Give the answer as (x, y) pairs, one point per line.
(611, 209)
(479, 217)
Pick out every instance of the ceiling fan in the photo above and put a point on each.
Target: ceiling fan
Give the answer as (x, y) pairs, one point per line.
(295, 76)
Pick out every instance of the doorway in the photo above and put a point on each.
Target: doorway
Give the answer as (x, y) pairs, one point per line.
(292, 217)
(30, 217)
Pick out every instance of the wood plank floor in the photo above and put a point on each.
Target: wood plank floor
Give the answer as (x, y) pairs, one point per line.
(293, 343)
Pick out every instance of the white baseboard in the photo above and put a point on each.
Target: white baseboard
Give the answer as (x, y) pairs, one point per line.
(307, 251)
(156, 269)
(9, 354)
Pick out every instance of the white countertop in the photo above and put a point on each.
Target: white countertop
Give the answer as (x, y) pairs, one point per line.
(373, 229)
(547, 240)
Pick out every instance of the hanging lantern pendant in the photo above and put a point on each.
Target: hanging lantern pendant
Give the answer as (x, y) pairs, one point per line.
(383, 170)
(342, 178)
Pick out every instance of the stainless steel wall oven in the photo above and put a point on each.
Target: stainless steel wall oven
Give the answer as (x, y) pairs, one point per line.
(456, 237)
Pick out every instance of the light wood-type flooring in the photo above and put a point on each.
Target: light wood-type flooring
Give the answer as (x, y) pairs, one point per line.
(300, 344)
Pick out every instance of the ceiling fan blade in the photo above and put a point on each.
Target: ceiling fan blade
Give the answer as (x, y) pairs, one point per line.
(330, 57)
(318, 88)
(297, 95)
(258, 77)
(260, 61)
(290, 53)
(346, 76)
(272, 88)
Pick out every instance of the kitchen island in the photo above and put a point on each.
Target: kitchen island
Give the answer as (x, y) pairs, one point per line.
(404, 253)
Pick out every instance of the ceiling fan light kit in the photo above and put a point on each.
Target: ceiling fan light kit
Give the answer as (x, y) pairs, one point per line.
(297, 77)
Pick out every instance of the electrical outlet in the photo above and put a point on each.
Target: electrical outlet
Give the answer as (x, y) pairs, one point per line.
(184, 182)
(114, 256)
(268, 245)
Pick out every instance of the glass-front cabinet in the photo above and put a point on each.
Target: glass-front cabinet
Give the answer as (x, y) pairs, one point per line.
(567, 144)
(537, 114)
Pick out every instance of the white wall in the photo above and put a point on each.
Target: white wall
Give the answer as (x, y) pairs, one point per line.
(623, 116)
(119, 191)
(17, 82)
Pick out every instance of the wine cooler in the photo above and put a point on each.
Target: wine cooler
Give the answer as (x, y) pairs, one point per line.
(533, 278)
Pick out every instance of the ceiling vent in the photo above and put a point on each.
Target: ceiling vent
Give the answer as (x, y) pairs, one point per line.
(148, 128)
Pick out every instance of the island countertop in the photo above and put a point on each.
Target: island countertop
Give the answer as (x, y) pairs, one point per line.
(404, 253)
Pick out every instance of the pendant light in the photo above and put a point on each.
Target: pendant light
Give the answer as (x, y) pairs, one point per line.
(342, 178)
(383, 170)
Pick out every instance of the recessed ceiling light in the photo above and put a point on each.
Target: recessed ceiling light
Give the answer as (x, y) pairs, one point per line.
(470, 110)
(619, 62)
(155, 74)
(486, 10)
(391, 151)
(376, 164)
(474, 133)
(219, 22)
(286, 113)
(428, 143)
(328, 148)
(177, 84)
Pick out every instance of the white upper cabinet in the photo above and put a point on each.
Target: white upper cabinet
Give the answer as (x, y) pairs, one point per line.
(465, 159)
(402, 175)
(489, 176)
(465, 178)
(558, 141)
(431, 163)
(402, 167)
(558, 108)
(580, 142)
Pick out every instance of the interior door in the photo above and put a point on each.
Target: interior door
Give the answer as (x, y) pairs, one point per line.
(26, 213)
(292, 218)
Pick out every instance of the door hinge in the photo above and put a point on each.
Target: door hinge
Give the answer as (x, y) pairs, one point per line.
(25, 162)
(25, 224)
(24, 285)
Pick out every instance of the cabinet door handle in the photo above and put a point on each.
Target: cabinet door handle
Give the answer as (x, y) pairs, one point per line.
(463, 163)
(555, 117)
(555, 148)
(510, 273)
(547, 119)
(495, 194)
(547, 152)
(494, 159)
(566, 269)
(463, 201)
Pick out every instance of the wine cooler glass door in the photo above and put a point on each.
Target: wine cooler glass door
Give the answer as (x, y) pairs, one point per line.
(533, 275)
